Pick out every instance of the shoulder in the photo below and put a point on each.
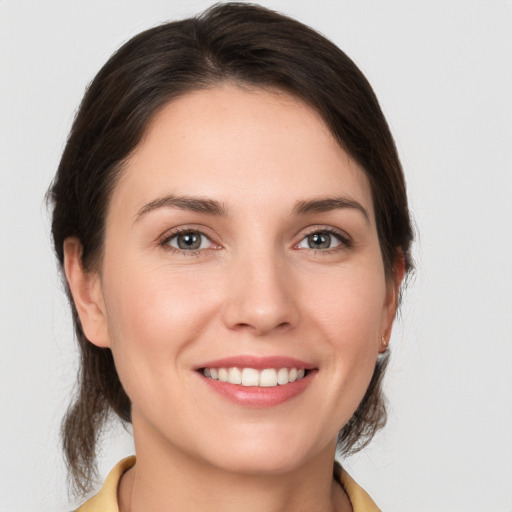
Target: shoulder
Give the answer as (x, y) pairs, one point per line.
(106, 499)
(359, 498)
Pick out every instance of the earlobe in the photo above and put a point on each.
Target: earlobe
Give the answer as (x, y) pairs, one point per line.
(392, 298)
(87, 294)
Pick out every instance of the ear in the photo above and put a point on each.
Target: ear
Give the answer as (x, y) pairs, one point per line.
(87, 294)
(392, 296)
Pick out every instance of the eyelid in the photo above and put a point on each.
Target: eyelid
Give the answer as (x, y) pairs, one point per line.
(163, 240)
(344, 238)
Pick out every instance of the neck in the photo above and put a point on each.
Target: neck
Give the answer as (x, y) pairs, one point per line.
(167, 480)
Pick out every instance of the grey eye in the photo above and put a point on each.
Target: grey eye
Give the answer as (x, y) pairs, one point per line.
(319, 240)
(189, 241)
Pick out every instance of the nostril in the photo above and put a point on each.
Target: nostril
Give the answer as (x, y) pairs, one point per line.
(261, 327)
(242, 326)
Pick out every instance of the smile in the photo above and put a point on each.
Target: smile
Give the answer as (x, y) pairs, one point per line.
(251, 377)
(255, 381)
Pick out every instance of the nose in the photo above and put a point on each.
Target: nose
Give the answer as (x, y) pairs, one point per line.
(261, 295)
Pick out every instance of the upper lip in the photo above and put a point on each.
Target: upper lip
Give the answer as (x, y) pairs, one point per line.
(256, 362)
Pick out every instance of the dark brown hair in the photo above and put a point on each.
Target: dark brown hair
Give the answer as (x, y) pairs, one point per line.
(242, 44)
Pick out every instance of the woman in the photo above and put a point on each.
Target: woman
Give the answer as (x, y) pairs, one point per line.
(231, 218)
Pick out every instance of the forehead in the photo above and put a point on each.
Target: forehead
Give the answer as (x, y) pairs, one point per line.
(241, 146)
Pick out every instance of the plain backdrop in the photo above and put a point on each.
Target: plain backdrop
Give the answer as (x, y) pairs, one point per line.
(443, 73)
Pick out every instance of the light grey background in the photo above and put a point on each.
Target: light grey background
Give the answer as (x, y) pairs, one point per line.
(443, 73)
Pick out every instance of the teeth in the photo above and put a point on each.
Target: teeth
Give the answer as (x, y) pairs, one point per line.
(250, 377)
(283, 376)
(234, 376)
(269, 377)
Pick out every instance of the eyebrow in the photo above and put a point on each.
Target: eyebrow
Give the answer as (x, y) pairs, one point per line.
(328, 204)
(189, 203)
(213, 207)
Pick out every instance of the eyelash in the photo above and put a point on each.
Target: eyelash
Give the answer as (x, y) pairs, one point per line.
(344, 241)
(165, 242)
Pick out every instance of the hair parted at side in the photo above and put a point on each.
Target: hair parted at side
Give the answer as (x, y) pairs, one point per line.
(241, 44)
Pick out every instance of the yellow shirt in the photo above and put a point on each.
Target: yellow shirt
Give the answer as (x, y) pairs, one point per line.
(106, 499)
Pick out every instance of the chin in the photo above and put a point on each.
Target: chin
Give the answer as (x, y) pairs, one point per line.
(261, 463)
(266, 453)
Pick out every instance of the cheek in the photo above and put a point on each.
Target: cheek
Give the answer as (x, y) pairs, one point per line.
(155, 302)
(153, 316)
(350, 305)
(349, 319)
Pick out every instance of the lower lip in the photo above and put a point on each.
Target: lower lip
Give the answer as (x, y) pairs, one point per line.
(255, 396)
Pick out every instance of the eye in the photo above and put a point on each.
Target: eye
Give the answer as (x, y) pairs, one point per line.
(322, 240)
(189, 241)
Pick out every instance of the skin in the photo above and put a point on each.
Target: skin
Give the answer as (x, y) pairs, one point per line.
(255, 287)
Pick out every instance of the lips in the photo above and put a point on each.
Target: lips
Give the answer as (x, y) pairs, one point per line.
(257, 382)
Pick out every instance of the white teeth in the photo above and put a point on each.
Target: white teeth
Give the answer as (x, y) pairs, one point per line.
(250, 377)
(269, 377)
(283, 376)
(234, 376)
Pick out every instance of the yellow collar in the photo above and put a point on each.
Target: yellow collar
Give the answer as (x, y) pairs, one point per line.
(106, 499)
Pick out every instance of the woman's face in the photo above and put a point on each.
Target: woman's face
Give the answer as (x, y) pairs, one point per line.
(241, 238)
